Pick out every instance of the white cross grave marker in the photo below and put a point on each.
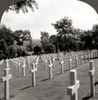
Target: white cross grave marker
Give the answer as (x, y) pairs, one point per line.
(46, 63)
(37, 60)
(50, 69)
(29, 64)
(76, 59)
(62, 66)
(75, 84)
(24, 68)
(7, 63)
(70, 63)
(81, 59)
(6, 81)
(53, 61)
(92, 80)
(33, 71)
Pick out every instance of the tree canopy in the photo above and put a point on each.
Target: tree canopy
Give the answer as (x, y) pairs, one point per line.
(69, 38)
(13, 44)
(24, 5)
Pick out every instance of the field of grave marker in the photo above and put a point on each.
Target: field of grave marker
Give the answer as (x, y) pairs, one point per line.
(47, 86)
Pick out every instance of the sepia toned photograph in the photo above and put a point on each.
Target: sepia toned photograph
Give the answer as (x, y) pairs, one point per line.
(48, 49)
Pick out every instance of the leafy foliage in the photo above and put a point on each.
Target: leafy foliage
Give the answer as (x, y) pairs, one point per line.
(64, 26)
(53, 40)
(24, 5)
(49, 48)
(44, 39)
(37, 49)
(12, 44)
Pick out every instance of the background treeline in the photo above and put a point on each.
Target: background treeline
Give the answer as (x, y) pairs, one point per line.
(68, 38)
(14, 44)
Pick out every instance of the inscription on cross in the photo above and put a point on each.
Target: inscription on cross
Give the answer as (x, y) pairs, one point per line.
(6, 81)
(33, 71)
(92, 80)
(75, 84)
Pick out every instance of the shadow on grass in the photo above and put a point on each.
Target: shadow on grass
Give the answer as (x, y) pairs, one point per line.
(44, 80)
(58, 74)
(61, 73)
(66, 70)
(25, 87)
(87, 98)
(11, 96)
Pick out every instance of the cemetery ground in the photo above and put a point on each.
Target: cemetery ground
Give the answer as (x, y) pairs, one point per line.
(48, 89)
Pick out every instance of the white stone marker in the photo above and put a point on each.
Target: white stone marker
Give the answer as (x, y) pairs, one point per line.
(33, 71)
(89, 56)
(50, 69)
(70, 63)
(54, 61)
(6, 82)
(62, 66)
(81, 60)
(37, 60)
(24, 68)
(7, 63)
(75, 84)
(46, 62)
(92, 80)
(76, 61)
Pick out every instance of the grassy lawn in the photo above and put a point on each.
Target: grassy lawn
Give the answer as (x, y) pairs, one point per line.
(48, 89)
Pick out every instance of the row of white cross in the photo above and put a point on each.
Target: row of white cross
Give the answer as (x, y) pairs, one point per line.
(8, 76)
(33, 70)
(75, 84)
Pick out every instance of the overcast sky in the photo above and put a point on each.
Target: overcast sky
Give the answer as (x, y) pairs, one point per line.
(50, 11)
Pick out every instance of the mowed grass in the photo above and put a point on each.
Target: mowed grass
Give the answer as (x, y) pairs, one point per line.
(48, 89)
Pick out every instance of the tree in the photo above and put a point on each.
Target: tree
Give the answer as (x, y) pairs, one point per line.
(44, 39)
(64, 29)
(86, 39)
(95, 36)
(23, 5)
(23, 38)
(49, 48)
(12, 44)
(17, 5)
(53, 40)
(3, 49)
(37, 49)
(64, 26)
(7, 35)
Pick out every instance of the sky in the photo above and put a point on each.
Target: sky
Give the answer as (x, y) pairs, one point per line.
(50, 11)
